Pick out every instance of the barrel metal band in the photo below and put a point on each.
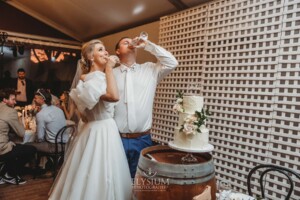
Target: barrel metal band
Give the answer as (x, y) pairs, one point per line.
(178, 181)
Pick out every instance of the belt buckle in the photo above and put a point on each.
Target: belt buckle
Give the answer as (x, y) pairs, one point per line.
(124, 135)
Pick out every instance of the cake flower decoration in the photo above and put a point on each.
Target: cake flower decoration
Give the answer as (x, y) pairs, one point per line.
(196, 122)
(178, 106)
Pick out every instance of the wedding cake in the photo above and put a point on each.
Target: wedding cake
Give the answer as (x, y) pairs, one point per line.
(191, 132)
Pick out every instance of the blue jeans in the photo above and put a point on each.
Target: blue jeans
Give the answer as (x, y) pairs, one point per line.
(133, 148)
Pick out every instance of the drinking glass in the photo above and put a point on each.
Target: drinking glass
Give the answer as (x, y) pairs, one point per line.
(142, 37)
(116, 59)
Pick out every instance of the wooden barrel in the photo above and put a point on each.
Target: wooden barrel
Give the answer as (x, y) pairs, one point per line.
(161, 175)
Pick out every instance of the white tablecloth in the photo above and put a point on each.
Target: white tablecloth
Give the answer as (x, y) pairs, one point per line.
(29, 136)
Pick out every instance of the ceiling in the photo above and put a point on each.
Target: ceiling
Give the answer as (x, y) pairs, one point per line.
(86, 19)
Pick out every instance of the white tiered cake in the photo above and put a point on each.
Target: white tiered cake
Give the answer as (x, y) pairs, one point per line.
(187, 135)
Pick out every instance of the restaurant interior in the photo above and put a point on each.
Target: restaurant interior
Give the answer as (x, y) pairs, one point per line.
(241, 56)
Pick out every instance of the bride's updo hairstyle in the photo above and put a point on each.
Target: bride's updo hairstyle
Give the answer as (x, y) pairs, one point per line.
(87, 55)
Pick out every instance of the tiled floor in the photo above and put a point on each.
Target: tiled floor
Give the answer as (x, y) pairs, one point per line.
(34, 189)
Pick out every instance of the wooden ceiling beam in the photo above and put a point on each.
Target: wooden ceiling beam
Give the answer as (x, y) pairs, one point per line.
(178, 4)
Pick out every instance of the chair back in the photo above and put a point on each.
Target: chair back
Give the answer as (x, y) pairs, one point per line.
(272, 168)
(62, 137)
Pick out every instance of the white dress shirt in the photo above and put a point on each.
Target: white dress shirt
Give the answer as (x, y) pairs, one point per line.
(137, 85)
(50, 119)
(22, 89)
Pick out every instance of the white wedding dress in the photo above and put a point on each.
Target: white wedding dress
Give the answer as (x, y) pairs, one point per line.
(96, 167)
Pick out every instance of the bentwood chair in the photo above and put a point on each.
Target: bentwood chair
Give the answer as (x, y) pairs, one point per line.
(55, 152)
(266, 168)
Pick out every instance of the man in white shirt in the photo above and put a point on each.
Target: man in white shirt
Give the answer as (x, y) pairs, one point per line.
(137, 85)
(50, 119)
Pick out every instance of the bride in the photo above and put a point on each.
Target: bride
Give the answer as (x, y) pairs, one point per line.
(96, 167)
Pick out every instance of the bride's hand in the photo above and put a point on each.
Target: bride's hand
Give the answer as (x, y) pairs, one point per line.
(115, 58)
(112, 61)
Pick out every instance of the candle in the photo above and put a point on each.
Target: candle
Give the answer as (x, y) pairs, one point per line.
(26, 112)
(23, 120)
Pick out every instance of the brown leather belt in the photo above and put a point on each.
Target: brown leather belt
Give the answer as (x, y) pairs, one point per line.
(134, 135)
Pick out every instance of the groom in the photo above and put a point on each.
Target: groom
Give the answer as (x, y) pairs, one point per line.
(137, 85)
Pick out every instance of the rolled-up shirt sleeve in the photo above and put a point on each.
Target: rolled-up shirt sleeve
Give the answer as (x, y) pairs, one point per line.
(166, 62)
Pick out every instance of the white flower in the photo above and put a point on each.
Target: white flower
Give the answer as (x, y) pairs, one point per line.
(189, 129)
(190, 119)
(177, 108)
(179, 100)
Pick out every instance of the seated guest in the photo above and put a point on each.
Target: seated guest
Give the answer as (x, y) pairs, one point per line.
(54, 99)
(64, 98)
(49, 120)
(69, 108)
(15, 156)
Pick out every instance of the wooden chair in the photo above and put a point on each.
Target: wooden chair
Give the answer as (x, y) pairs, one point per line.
(55, 152)
(272, 168)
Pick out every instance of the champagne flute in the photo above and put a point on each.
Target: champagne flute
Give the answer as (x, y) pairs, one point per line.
(116, 59)
(142, 37)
